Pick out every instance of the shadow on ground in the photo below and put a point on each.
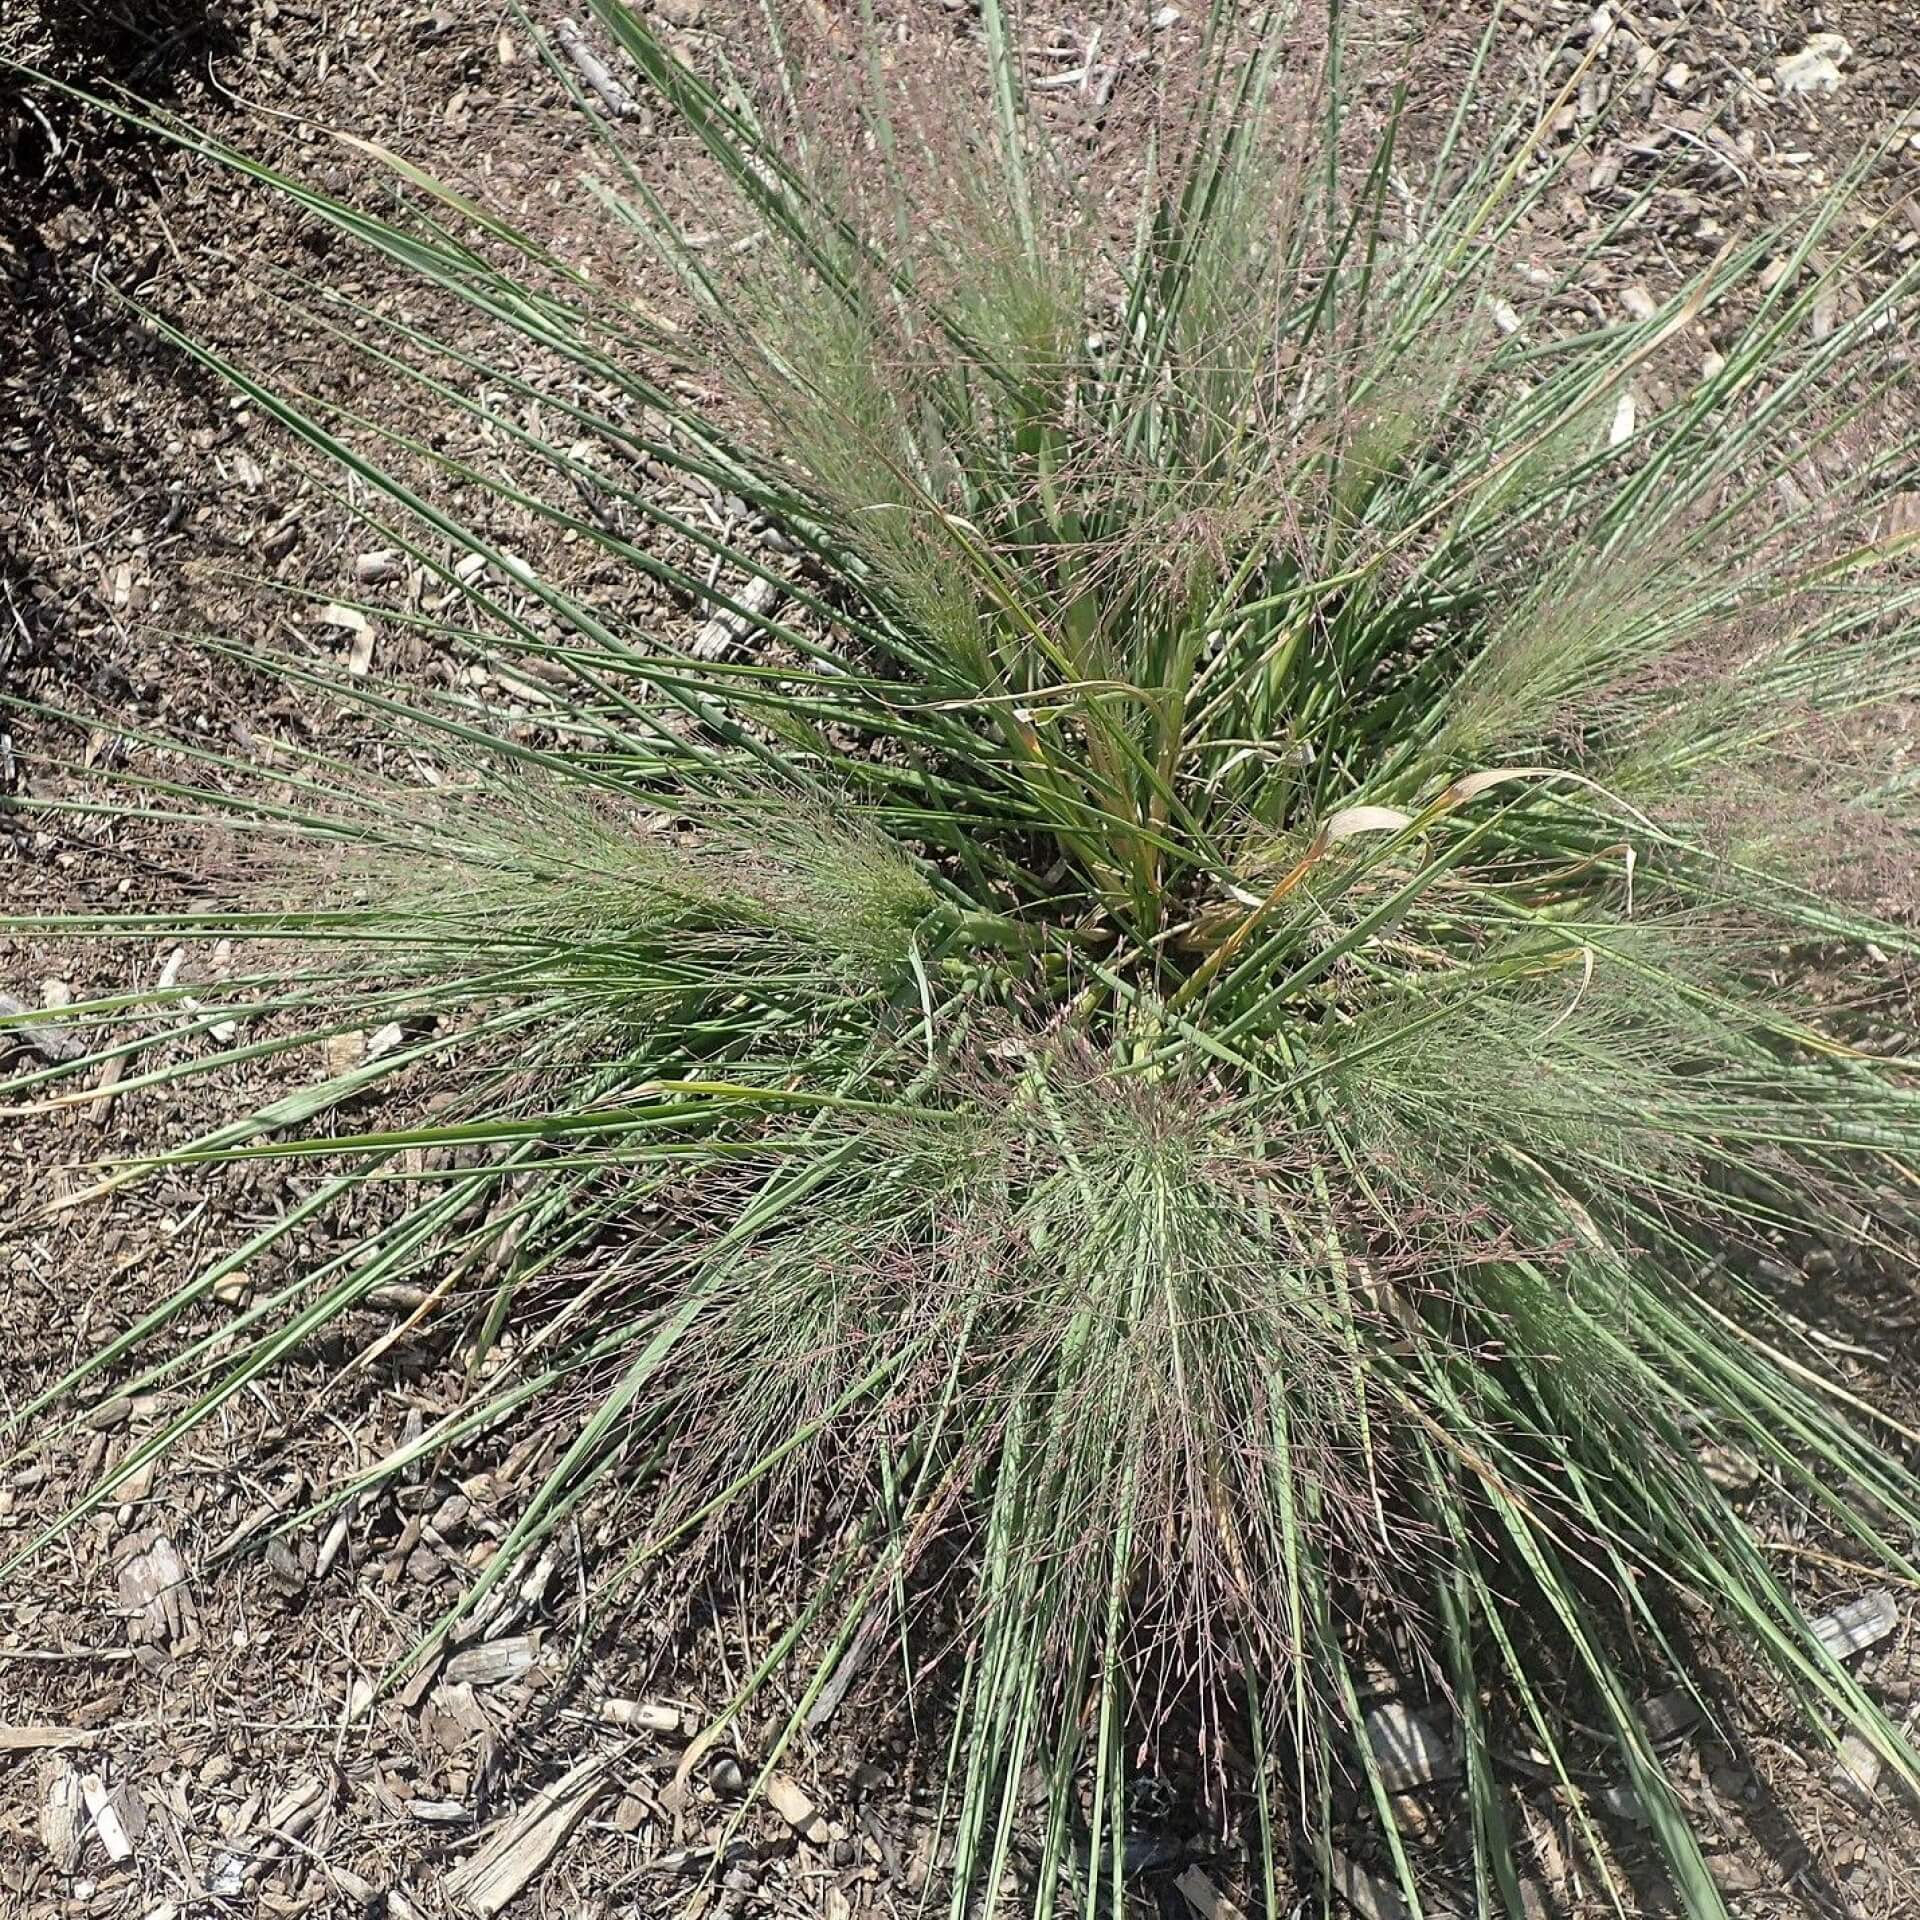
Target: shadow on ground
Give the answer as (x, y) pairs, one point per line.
(73, 183)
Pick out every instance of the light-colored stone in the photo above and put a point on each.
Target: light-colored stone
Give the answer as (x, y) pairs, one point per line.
(1408, 1748)
(1815, 67)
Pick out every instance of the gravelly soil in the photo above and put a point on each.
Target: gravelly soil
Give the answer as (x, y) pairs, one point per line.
(140, 506)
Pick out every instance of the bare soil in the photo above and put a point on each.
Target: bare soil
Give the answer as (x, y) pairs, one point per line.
(221, 1684)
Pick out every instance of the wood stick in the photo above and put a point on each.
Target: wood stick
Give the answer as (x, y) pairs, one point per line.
(595, 72)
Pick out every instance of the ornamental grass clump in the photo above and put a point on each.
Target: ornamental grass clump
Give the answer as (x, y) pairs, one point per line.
(1203, 1014)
